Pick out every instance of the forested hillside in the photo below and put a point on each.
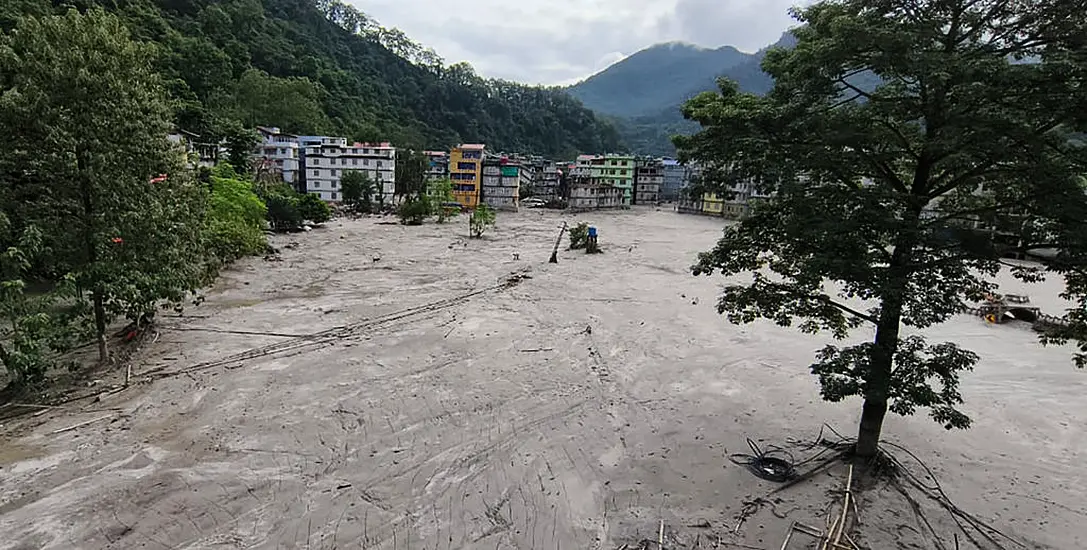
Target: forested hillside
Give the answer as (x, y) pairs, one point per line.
(321, 66)
(644, 92)
(658, 76)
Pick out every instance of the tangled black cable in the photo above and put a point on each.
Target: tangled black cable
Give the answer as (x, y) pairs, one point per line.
(773, 464)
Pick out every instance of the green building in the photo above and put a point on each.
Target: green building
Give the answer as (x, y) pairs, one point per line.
(617, 170)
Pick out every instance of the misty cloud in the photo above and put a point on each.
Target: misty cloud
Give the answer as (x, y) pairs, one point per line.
(562, 41)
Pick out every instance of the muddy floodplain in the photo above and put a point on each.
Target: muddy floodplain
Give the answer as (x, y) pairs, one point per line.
(389, 387)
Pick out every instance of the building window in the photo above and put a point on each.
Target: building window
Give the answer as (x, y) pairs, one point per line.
(379, 164)
(316, 185)
(316, 161)
(366, 162)
(335, 173)
(333, 196)
(354, 162)
(316, 172)
(466, 166)
(335, 184)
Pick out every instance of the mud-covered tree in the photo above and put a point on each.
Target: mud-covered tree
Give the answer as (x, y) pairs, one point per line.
(884, 193)
(85, 117)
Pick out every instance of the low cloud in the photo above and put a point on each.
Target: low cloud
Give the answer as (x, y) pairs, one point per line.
(563, 41)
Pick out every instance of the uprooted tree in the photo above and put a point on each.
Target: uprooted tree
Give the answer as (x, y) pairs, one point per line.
(900, 136)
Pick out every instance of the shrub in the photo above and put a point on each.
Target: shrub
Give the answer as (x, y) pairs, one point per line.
(414, 210)
(288, 209)
(313, 209)
(234, 221)
(579, 236)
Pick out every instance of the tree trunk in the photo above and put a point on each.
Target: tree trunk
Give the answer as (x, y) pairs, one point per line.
(100, 328)
(871, 426)
(879, 378)
(878, 381)
(92, 251)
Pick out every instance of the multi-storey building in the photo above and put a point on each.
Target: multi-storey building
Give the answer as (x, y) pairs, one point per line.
(675, 179)
(326, 159)
(198, 153)
(689, 205)
(438, 169)
(712, 204)
(501, 186)
(616, 170)
(648, 178)
(466, 171)
(744, 195)
(278, 153)
(590, 193)
(548, 183)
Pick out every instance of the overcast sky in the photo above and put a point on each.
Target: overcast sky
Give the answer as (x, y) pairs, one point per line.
(563, 41)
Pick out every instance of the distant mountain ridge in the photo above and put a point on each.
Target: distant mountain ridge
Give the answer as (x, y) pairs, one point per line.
(644, 92)
(655, 77)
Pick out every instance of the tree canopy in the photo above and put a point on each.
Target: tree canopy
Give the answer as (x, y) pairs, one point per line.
(87, 163)
(884, 201)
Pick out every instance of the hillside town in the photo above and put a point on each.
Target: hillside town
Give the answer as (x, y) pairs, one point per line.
(502, 180)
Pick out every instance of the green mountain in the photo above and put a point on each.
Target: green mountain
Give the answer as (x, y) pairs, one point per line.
(656, 77)
(643, 93)
(323, 67)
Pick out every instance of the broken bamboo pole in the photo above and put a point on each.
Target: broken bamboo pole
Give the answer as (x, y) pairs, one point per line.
(81, 424)
(845, 507)
(788, 536)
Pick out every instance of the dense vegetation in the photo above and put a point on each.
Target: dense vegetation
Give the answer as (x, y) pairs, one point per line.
(892, 194)
(100, 218)
(321, 66)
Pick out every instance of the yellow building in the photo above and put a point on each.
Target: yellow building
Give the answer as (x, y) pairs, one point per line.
(712, 204)
(466, 171)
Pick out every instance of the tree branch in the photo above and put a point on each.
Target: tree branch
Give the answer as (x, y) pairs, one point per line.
(846, 309)
(901, 137)
(886, 170)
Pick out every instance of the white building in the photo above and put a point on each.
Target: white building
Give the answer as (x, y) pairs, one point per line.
(278, 153)
(326, 159)
(587, 193)
(196, 152)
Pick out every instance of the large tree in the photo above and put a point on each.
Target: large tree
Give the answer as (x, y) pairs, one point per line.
(87, 161)
(411, 173)
(898, 136)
